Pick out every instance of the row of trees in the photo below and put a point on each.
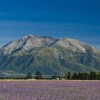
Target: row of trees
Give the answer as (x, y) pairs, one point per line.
(69, 76)
(38, 75)
(83, 76)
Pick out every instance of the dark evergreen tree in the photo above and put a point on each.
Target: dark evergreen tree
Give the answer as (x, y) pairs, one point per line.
(75, 76)
(29, 76)
(80, 76)
(86, 76)
(93, 75)
(98, 76)
(38, 75)
(83, 76)
(69, 76)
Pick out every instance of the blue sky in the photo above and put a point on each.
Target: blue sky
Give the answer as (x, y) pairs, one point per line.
(78, 19)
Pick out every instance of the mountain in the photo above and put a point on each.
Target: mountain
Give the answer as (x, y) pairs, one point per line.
(31, 53)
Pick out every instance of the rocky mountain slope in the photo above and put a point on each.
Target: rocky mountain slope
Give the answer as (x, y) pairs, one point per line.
(31, 53)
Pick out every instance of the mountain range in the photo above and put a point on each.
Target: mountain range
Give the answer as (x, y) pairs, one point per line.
(48, 55)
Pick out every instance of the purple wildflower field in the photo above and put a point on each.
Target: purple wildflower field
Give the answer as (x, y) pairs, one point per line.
(49, 90)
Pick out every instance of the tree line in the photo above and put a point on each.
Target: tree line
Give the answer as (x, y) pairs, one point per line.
(67, 76)
(83, 76)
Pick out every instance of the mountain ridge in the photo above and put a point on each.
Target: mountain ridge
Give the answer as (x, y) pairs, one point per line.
(31, 53)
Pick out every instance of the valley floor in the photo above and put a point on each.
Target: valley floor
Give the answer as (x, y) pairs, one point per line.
(49, 90)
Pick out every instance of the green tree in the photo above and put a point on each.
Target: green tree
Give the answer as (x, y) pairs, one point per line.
(83, 76)
(98, 76)
(29, 76)
(93, 75)
(69, 76)
(86, 76)
(75, 76)
(38, 75)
